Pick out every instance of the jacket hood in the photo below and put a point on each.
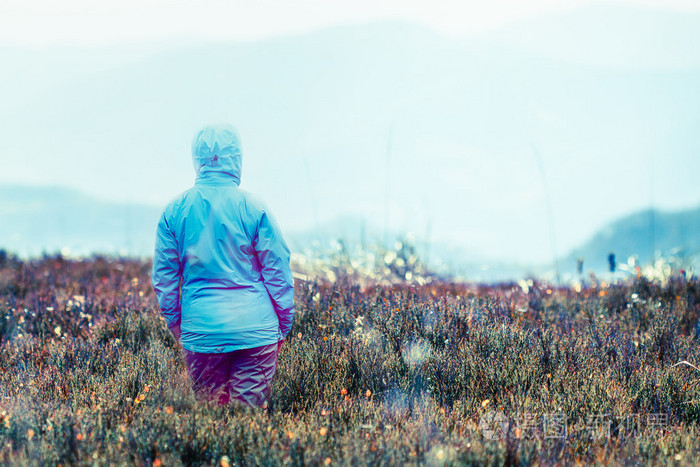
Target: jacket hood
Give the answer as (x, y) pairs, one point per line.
(217, 149)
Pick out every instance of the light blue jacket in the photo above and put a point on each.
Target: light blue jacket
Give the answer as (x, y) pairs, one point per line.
(224, 245)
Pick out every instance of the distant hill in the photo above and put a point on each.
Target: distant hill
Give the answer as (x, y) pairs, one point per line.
(36, 220)
(643, 234)
(674, 235)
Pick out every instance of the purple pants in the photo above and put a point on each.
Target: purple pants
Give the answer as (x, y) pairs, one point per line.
(245, 375)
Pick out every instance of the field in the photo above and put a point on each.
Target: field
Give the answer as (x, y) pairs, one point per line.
(423, 375)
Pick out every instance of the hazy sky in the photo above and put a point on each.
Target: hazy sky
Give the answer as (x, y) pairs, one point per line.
(40, 23)
(607, 96)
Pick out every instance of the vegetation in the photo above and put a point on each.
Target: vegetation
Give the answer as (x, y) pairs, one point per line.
(427, 375)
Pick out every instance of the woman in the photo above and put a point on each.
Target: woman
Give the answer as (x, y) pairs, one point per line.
(222, 277)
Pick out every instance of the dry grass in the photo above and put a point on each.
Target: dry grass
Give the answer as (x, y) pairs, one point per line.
(389, 375)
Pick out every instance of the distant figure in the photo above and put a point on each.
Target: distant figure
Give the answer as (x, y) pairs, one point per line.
(222, 277)
(611, 261)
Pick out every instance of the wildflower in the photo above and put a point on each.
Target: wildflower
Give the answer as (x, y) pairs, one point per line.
(157, 462)
(79, 436)
(323, 431)
(225, 461)
(485, 402)
(290, 435)
(327, 461)
(368, 393)
(142, 397)
(30, 433)
(169, 409)
(299, 335)
(343, 392)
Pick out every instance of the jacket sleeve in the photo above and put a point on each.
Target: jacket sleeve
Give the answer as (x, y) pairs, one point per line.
(166, 273)
(273, 255)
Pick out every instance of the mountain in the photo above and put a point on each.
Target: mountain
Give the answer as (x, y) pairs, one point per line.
(646, 235)
(36, 220)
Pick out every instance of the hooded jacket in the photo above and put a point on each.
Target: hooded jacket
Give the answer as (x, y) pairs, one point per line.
(221, 267)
